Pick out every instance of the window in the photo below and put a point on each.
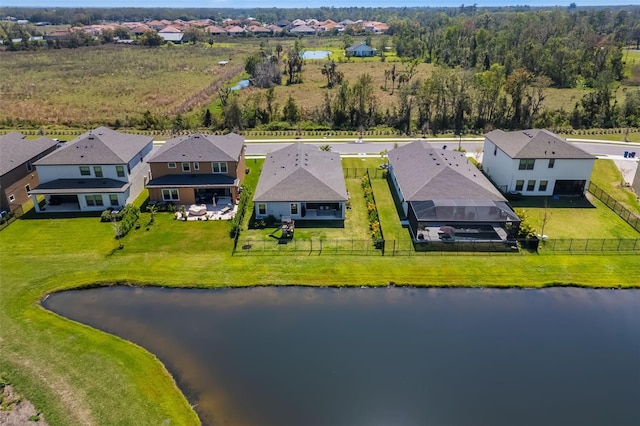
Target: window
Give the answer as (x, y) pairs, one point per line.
(12, 198)
(29, 167)
(262, 209)
(519, 185)
(27, 187)
(218, 167)
(543, 185)
(171, 165)
(170, 195)
(294, 208)
(196, 166)
(186, 167)
(113, 199)
(527, 164)
(552, 162)
(495, 150)
(93, 200)
(85, 171)
(531, 185)
(97, 170)
(120, 171)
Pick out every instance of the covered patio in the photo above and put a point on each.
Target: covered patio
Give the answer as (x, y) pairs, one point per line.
(75, 195)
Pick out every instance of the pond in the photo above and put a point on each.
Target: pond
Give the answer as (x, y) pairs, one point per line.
(387, 356)
(241, 85)
(315, 54)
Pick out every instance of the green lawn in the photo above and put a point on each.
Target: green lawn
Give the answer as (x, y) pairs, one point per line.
(608, 177)
(79, 376)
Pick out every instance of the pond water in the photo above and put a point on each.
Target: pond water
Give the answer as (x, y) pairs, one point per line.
(315, 54)
(388, 356)
(241, 85)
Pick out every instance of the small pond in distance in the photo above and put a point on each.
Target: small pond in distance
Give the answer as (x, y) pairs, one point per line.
(315, 54)
(387, 356)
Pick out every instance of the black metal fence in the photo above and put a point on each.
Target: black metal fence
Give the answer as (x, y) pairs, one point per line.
(9, 217)
(311, 247)
(317, 247)
(619, 209)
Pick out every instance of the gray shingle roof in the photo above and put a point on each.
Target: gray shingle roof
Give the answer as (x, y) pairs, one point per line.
(535, 143)
(15, 150)
(199, 147)
(98, 146)
(424, 173)
(301, 172)
(360, 46)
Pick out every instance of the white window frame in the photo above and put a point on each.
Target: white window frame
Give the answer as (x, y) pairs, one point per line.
(170, 191)
(96, 170)
(118, 169)
(171, 165)
(546, 185)
(117, 202)
(292, 207)
(27, 188)
(196, 166)
(186, 167)
(85, 168)
(12, 198)
(262, 209)
(219, 165)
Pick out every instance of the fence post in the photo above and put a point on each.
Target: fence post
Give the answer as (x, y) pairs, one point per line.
(394, 248)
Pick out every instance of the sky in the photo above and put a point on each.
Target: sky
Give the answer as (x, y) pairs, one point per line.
(298, 4)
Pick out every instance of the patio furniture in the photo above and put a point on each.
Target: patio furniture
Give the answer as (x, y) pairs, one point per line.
(197, 209)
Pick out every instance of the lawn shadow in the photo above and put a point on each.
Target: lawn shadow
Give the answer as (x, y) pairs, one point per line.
(566, 202)
(301, 223)
(396, 200)
(33, 215)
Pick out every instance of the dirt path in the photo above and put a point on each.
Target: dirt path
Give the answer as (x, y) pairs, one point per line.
(17, 411)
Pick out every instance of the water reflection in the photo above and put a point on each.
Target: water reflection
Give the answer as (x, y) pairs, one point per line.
(396, 356)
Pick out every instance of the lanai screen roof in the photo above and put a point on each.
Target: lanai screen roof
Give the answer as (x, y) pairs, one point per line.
(463, 210)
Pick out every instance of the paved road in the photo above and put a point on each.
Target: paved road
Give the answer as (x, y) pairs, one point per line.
(471, 145)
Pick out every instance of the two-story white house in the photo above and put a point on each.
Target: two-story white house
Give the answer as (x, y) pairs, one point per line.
(99, 169)
(536, 162)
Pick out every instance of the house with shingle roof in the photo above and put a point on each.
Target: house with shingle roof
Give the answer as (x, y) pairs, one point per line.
(536, 162)
(172, 34)
(301, 182)
(303, 29)
(198, 169)
(215, 30)
(98, 169)
(235, 30)
(360, 50)
(17, 173)
(441, 189)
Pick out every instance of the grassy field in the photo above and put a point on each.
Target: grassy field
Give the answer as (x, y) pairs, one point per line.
(608, 177)
(93, 86)
(101, 84)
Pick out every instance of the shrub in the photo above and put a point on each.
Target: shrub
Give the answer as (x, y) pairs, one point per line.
(372, 213)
